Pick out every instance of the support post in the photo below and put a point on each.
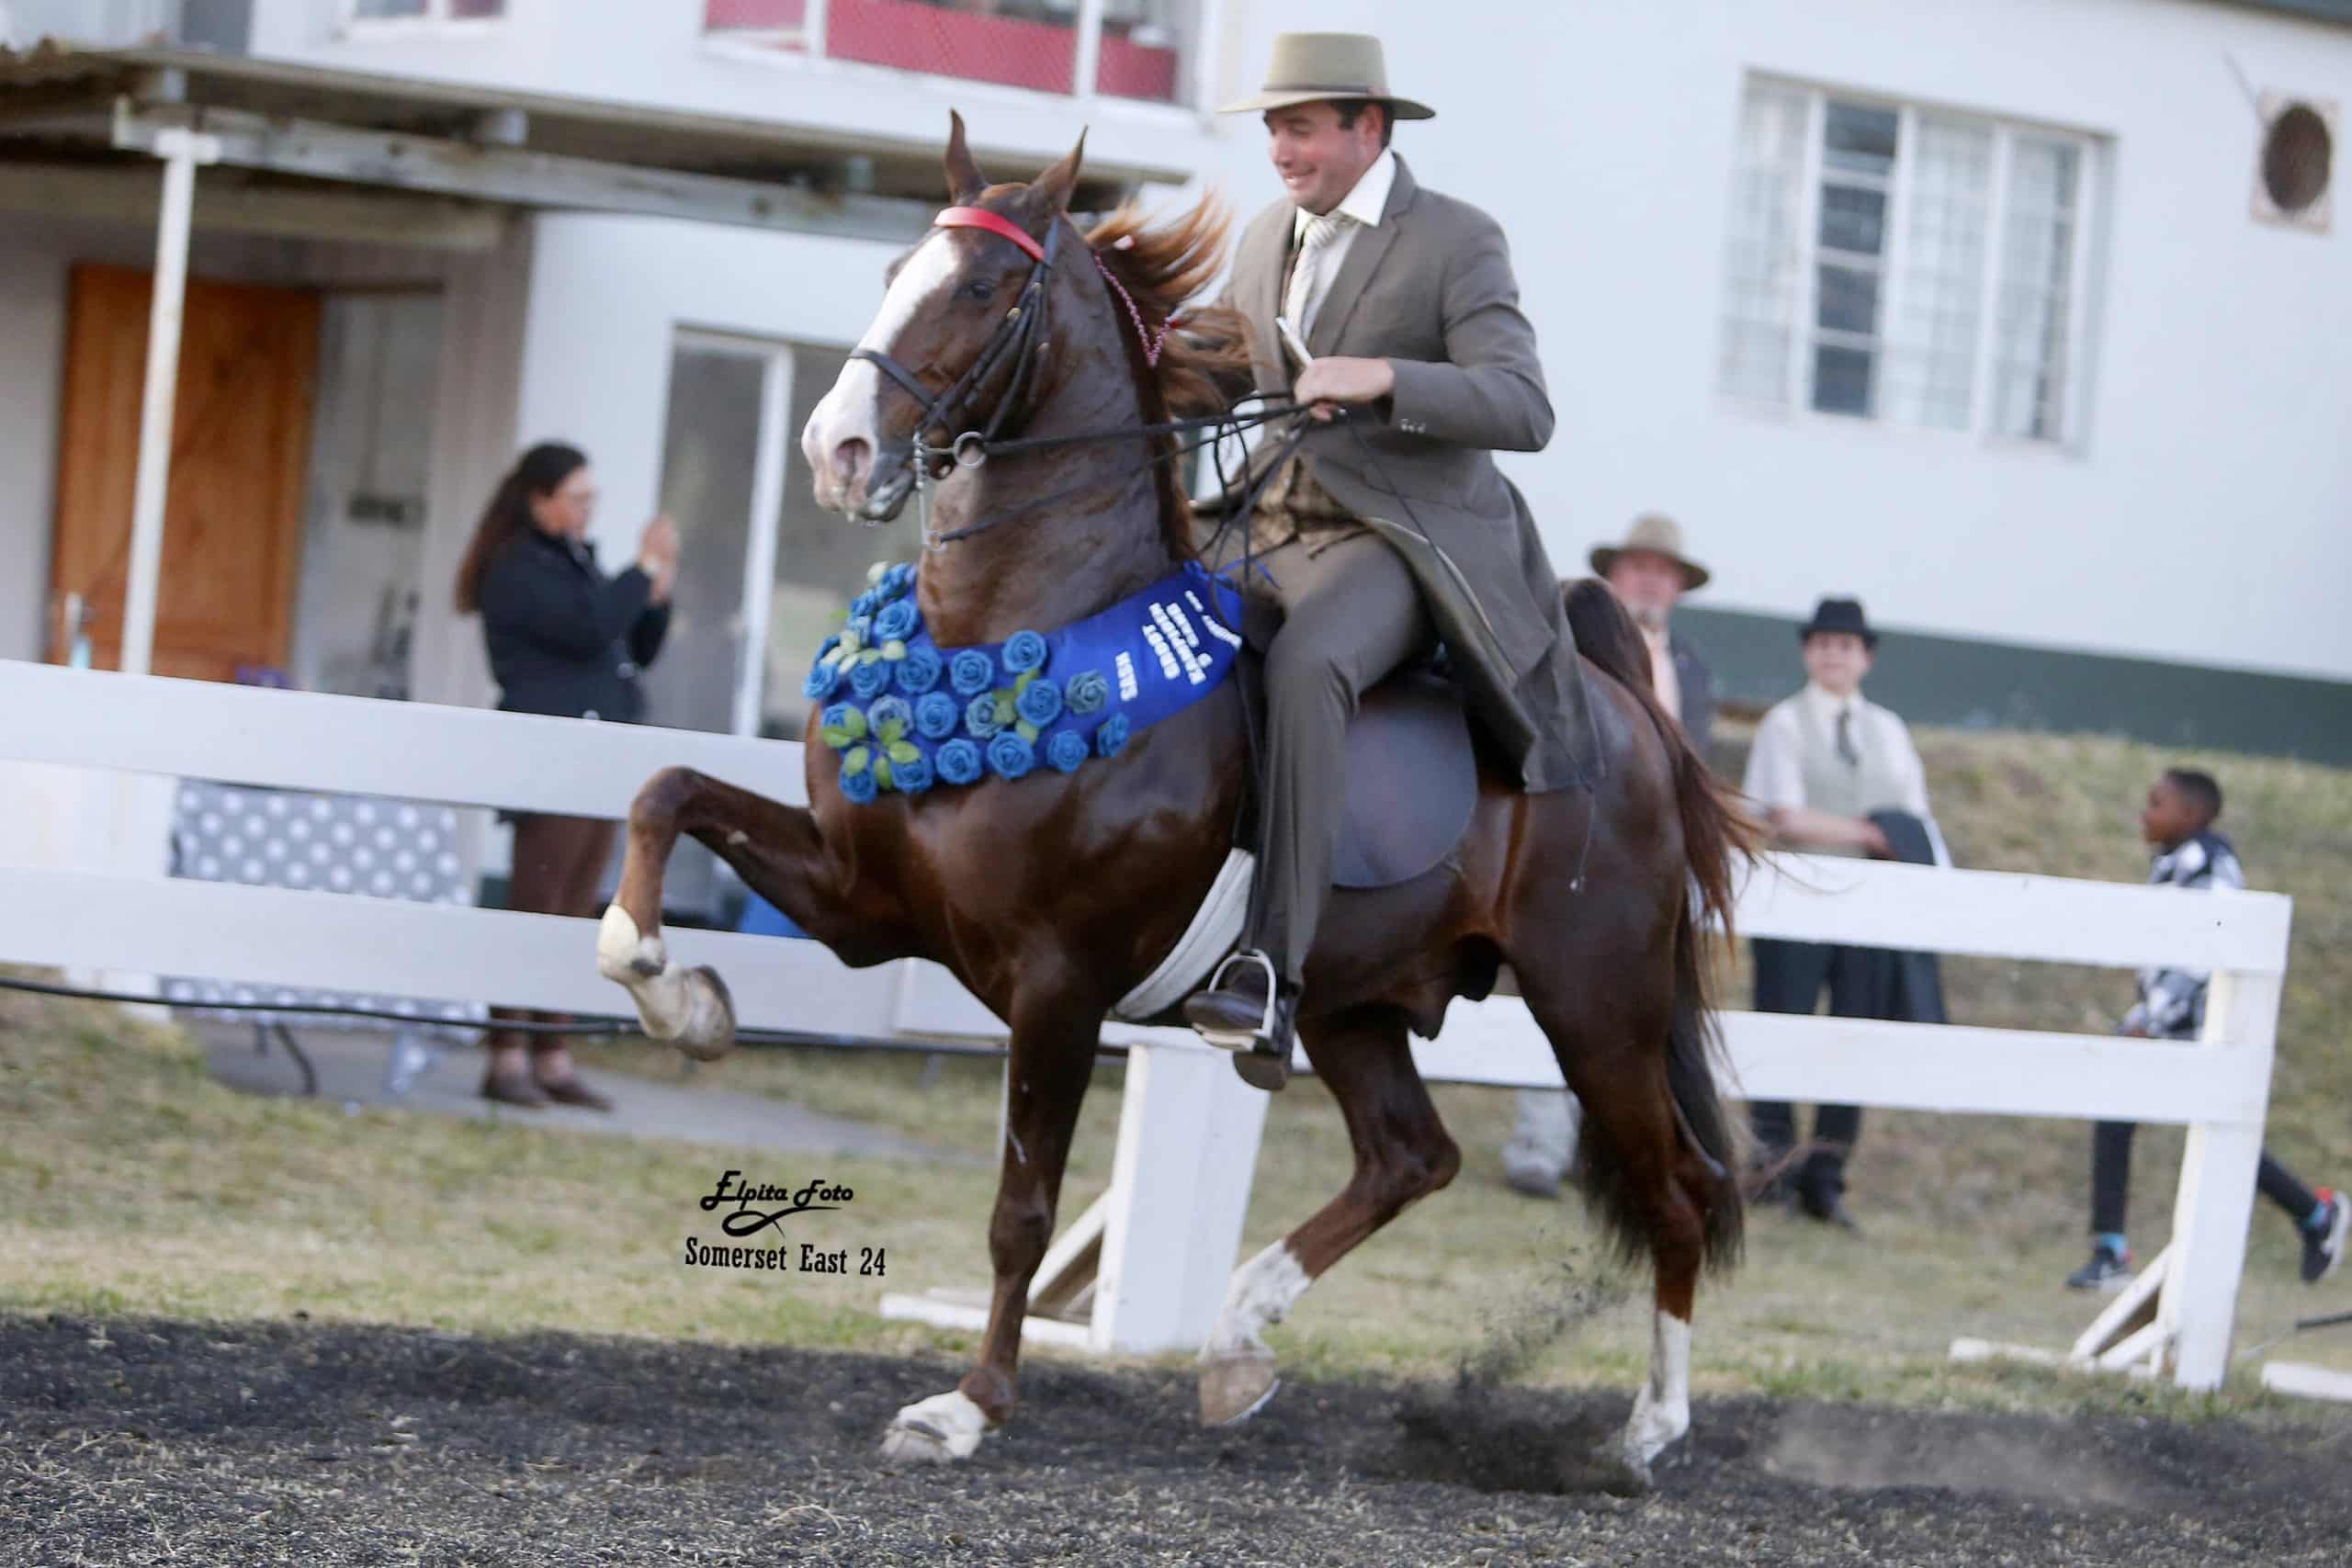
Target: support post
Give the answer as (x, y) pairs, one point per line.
(181, 151)
(1179, 1186)
(2213, 1209)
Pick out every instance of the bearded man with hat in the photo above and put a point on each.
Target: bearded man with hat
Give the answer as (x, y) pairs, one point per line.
(1387, 530)
(1649, 574)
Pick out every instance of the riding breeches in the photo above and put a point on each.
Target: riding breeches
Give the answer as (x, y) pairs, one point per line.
(1352, 615)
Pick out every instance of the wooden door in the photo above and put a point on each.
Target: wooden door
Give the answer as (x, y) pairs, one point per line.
(241, 437)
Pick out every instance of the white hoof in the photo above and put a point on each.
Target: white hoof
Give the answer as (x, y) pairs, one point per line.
(939, 1430)
(1237, 1385)
(686, 1007)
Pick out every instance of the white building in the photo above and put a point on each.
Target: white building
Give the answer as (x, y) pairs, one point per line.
(2022, 320)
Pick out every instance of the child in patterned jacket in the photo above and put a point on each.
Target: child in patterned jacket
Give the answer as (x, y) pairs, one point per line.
(2178, 821)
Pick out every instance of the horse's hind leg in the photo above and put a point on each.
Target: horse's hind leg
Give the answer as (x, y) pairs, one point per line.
(1402, 1153)
(1648, 1181)
(773, 846)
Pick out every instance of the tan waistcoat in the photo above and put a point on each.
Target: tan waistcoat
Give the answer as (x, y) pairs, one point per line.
(1839, 787)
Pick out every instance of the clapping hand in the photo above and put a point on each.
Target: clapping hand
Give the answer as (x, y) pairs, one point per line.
(657, 556)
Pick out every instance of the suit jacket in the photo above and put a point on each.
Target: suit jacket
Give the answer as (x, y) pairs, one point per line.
(1430, 290)
(564, 638)
(1698, 683)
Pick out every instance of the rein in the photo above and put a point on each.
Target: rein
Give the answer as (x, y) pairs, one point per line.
(1022, 333)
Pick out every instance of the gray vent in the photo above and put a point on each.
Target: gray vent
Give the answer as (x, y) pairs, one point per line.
(2294, 173)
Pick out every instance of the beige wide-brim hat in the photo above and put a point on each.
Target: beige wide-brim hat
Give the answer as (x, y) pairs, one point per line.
(1659, 535)
(1311, 67)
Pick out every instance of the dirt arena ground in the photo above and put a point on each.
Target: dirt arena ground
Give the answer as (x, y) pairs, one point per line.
(144, 1440)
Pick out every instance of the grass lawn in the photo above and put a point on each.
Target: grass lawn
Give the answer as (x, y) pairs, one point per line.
(130, 1182)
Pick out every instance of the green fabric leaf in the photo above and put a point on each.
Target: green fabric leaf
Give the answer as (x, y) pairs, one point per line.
(1004, 713)
(853, 721)
(1026, 730)
(882, 772)
(857, 762)
(837, 737)
(851, 641)
(870, 656)
(894, 650)
(902, 751)
(891, 730)
(1023, 684)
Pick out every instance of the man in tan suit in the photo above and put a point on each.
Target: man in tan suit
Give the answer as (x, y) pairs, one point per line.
(1390, 530)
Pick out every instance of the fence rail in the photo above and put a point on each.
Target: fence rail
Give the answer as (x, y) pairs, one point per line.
(1187, 1125)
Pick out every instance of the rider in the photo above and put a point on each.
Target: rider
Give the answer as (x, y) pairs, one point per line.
(1389, 531)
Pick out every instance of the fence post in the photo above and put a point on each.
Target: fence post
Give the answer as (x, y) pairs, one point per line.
(2213, 1208)
(1188, 1149)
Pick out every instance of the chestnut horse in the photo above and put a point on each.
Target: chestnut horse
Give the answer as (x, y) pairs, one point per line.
(1051, 896)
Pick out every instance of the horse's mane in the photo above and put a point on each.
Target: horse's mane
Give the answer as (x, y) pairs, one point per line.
(1205, 358)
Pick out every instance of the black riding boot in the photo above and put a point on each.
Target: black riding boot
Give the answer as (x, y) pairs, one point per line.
(1236, 1013)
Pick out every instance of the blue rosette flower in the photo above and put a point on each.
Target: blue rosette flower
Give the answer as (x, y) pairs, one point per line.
(1067, 750)
(840, 726)
(863, 604)
(897, 580)
(980, 718)
(959, 762)
(1040, 702)
(1086, 692)
(896, 621)
(823, 680)
(1010, 756)
(1024, 651)
(919, 672)
(890, 718)
(860, 787)
(912, 776)
(1112, 738)
(971, 671)
(859, 632)
(869, 681)
(936, 714)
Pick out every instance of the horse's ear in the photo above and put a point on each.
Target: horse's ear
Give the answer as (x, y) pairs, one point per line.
(965, 180)
(1051, 193)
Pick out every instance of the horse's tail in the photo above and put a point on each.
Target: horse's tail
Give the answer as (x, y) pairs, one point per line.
(1716, 834)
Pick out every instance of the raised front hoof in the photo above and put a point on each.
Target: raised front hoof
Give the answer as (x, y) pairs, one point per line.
(939, 1430)
(711, 1023)
(1235, 1387)
(1262, 1070)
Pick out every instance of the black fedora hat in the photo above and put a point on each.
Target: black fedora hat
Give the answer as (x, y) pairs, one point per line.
(1839, 615)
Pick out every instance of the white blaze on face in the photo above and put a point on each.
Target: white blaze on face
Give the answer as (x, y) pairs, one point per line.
(852, 411)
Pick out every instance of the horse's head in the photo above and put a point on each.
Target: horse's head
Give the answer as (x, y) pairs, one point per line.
(955, 343)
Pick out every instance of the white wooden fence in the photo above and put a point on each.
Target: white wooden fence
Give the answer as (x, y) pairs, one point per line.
(1188, 1129)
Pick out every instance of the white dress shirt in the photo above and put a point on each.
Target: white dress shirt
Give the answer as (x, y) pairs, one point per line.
(1363, 204)
(1775, 775)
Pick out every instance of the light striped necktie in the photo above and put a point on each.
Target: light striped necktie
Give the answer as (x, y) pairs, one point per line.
(1305, 279)
(1845, 742)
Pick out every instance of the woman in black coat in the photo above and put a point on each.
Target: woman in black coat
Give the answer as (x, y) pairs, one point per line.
(564, 639)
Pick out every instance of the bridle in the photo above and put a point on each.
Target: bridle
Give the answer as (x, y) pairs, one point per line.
(1021, 335)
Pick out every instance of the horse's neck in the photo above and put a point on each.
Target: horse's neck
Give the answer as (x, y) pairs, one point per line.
(1049, 562)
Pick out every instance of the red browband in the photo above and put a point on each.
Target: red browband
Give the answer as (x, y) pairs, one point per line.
(981, 217)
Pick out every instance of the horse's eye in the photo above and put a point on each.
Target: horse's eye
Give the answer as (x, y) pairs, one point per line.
(980, 290)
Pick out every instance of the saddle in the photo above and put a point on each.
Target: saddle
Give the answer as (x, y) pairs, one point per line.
(1412, 775)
